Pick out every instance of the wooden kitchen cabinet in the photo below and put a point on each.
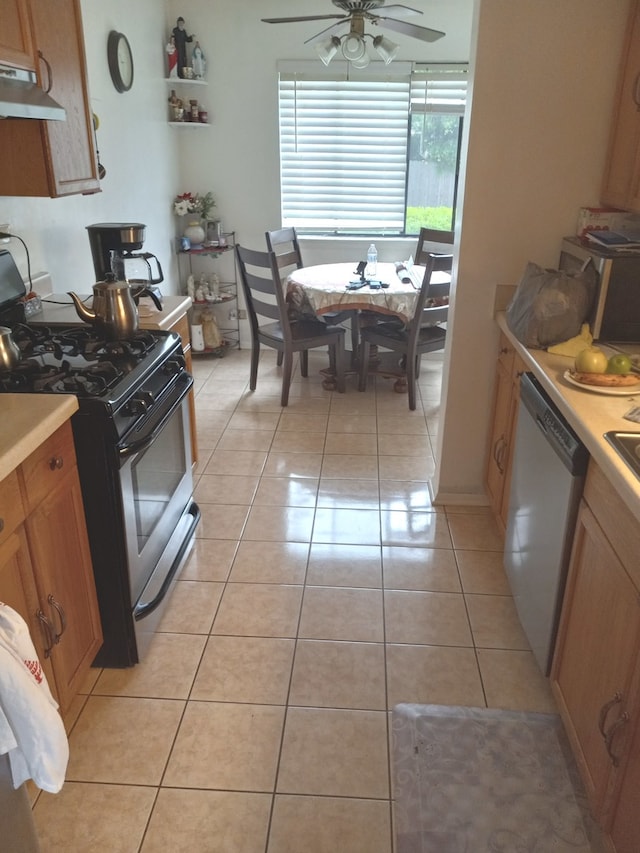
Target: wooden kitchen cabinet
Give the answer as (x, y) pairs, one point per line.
(621, 185)
(16, 42)
(53, 158)
(509, 369)
(45, 565)
(595, 675)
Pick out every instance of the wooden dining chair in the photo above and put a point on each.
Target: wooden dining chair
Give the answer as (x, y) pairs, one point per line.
(265, 299)
(431, 235)
(284, 243)
(424, 333)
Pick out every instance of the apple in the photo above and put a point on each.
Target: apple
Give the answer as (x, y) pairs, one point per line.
(619, 363)
(591, 360)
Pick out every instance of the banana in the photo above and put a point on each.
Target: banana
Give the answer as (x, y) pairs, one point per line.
(606, 380)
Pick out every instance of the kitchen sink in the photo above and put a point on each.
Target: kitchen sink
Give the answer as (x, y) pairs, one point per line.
(627, 444)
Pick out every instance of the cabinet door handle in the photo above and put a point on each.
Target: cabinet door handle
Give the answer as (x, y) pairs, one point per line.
(49, 72)
(636, 91)
(499, 451)
(49, 633)
(56, 463)
(604, 711)
(61, 616)
(608, 739)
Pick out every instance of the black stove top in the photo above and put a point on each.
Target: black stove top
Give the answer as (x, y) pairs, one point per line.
(117, 381)
(74, 360)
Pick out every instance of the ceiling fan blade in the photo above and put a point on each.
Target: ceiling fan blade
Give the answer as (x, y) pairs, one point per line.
(324, 33)
(304, 18)
(402, 11)
(408, 29)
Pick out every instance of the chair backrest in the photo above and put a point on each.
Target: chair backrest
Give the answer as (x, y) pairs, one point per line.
(284, 244)
(263, 293)
(427, 313)
(431, 236)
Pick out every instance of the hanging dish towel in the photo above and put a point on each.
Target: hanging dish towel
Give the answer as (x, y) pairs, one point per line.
(31, 730)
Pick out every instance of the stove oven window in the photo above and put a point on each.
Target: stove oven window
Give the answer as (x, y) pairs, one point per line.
(156, 475)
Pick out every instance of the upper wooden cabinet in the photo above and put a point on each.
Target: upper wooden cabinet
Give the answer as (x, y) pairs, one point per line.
(621, 186)
(16, 44)
(51, 158)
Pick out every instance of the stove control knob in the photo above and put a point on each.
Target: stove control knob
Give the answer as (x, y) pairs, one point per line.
(140, 403)
(174, 365)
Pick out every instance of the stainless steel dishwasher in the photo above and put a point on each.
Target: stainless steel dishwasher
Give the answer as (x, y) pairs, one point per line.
(549, 466)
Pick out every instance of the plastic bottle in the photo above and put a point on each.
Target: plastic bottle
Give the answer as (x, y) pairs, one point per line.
(372, 261)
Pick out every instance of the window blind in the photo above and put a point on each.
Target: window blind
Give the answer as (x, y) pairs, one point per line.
(344, 144)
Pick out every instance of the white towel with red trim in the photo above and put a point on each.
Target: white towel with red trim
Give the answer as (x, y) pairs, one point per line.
(31, 729)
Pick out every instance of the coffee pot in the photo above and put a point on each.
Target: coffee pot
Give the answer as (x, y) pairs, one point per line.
(139, 287)
(114, 309)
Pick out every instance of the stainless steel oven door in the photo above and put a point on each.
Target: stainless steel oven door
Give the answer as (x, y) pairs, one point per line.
(159, 514)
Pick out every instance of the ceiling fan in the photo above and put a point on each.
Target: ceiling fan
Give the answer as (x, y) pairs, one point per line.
(356, 13)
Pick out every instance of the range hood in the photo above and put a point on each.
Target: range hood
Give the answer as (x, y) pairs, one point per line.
(21, 97)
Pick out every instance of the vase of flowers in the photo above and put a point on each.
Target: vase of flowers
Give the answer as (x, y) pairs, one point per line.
(197, 207)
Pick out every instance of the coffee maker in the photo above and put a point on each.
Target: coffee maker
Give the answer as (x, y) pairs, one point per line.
(116, 246)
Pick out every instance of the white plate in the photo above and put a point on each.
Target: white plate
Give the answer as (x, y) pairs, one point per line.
(625, 391)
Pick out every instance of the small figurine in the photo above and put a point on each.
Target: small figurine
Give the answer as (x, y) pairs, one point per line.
(172, 57)
(181, 38)
(198, 62)
(191, 288)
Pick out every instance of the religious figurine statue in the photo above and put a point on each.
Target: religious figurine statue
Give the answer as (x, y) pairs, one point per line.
(180, 39)
(172, 57)
(198, 62)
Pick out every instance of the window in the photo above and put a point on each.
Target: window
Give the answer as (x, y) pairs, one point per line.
(370, 152)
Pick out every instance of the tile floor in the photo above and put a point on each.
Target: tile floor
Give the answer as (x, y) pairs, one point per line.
(323, 589)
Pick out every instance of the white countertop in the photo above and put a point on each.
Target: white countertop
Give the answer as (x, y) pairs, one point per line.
(28, 420)
(590, 414)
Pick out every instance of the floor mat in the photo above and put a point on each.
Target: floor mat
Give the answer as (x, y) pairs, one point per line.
(470, 780)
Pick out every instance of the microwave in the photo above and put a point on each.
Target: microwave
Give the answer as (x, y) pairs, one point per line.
(615, 314)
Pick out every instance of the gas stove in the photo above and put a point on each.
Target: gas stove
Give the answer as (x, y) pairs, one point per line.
(133, 449)
(121, 379)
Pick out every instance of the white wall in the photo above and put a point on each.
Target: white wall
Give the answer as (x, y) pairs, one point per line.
(537, 135)
(136, 147)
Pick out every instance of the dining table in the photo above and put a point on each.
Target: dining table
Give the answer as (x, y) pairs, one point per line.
(325, 288)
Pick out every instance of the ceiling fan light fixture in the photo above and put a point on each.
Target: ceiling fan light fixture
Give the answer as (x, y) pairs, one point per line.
(364, 60)
(387, 49)
(326, 50)
(353, 47)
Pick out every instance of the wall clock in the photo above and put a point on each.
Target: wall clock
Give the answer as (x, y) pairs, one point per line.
(120, 61)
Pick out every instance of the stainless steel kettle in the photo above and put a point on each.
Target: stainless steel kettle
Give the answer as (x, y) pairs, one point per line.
(114, 309)
(9, 350)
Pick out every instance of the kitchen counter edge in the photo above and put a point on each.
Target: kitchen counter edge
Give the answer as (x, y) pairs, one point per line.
(588, 413)
(27, 421)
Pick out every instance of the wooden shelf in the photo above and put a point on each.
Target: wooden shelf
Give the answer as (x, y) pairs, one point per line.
(180, 80)
(193, 124)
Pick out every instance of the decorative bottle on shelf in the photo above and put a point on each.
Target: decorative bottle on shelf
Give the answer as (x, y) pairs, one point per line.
(372, 261)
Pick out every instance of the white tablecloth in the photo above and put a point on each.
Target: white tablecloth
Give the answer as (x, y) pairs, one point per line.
(323, 289)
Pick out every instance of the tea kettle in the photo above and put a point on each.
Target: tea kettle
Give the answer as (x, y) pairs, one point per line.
(9, 351)
(114, 308)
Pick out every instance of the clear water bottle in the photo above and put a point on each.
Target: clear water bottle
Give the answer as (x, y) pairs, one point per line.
(372, 261)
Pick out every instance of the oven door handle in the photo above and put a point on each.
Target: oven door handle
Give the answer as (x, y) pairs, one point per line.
(169, 406)
(142, 610)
